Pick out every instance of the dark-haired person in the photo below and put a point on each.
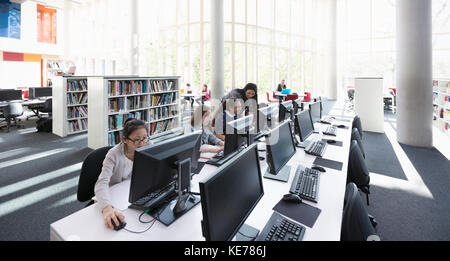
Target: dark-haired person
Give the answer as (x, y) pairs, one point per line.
(201, 121)
(117, 167)
(205, 91)
(250, 91)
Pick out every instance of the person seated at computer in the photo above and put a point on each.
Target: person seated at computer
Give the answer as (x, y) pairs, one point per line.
(201, 121)
(230, 110)
(282, 86)
(188, 90)
(117, 167)
(205, 91)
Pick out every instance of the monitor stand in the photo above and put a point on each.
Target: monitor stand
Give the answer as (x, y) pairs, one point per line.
(246, 233)
(283, 174)
(164, 213)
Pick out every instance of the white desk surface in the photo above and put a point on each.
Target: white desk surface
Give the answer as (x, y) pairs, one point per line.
(87, 224)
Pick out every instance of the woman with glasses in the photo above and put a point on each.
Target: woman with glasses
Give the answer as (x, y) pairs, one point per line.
(117, 167)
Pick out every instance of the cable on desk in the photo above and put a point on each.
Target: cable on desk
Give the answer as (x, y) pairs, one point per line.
(140, 232)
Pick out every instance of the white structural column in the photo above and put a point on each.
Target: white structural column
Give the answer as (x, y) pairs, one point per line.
(134, 48)
(332, 68)
(414, 73)
(217, 49)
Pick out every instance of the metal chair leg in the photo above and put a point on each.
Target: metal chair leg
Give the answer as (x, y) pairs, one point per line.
(367, 198)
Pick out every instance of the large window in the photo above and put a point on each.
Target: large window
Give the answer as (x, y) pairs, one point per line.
(46, 24)
(265, 41)
(369, 43)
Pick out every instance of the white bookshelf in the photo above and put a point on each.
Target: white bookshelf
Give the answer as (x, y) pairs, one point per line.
(441, 105)
(70, 105)
(112, 108)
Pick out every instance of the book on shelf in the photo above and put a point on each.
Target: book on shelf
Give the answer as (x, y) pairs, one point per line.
(78, 125)
(77, 112)
(162, 126)
(116, 105)
(116, 88)
(77, 98)
(162, 112)
(162, 85)
(135, 87)
(114, 138)
(77, 85)
(163, 99)
(137, 102)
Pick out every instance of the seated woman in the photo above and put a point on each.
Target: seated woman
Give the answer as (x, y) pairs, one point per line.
(229, 111)
(203, 113)
(205, 91)
(117, 167)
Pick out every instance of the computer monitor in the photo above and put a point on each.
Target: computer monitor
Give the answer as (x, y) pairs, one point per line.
(285, 111)
(316, 111)
(298, 105)
(266, 116)
(230, 195)
(10, 95)
(304, 125)
(280, 149)
(40, 92)
(158, 165)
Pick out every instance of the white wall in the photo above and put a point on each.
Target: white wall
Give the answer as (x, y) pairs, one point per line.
(20, 74)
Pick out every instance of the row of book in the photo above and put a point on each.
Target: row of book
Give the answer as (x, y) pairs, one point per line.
(137, 102)
(78, 125)
(77, 112)
(116, 105)
(114, 138)
(116, 88)
(162, 99)
(77, 98)
(162, 126)
(77, 85)
(162, 113)
(116, 121)
(162, 85)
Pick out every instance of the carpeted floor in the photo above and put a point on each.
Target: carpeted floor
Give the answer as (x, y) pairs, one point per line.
(39, 177)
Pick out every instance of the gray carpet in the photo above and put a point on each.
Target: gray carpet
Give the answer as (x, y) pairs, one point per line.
(39, 189)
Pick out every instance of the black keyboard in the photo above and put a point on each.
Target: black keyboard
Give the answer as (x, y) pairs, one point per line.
(327, 120)
(279, 228)
(155, 198)
(330, 130)
(316, 148)
(220, 159)
(306, 183)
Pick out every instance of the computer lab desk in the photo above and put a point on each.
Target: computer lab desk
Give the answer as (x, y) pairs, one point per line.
(87, 224)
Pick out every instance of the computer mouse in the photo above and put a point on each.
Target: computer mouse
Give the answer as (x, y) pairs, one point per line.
(318, 168)
(341, 126)
(120, 226)
(292, 198)
(331, 141)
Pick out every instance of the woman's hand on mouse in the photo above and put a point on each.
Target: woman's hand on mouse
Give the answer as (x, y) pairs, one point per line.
(111, 215)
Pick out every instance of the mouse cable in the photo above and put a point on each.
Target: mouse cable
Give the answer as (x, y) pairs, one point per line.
(140, 217)
(140, 232)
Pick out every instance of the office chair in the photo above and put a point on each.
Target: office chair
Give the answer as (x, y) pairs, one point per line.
(357, 124)
(48, 107)
(355, 136)
(11, 112)
(358, 172)
(357, 224)
(270, 100)
(291, 97)
(91, 169)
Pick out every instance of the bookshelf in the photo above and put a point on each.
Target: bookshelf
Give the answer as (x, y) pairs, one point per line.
(154, 100)
(441, 105)
(70, 105)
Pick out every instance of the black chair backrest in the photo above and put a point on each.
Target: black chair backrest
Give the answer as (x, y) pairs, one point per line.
(14, 109)
(356, 225)
(91, 169)
(355, 136)
(48, 107)
(358, 172)
(357, 124)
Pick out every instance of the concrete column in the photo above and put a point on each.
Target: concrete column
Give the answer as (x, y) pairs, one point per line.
(332, 68)
(134, 48)
(217, 49)
(414, 73)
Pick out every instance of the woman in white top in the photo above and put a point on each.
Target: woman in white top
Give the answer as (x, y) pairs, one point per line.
(201, 121)
(117, 167)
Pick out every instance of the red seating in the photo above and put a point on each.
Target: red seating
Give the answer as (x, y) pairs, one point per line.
(24, 92)
(394, 90)
(307, 98)
(268, 98)
(291, 97)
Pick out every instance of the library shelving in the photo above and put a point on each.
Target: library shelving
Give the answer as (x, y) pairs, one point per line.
(441, 105)
(154, 100)
(70, 105)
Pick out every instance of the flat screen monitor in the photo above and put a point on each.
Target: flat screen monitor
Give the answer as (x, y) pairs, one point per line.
(285, 111)
(265, 116)
(280, 147)
(230, 195)
(155, 166)
(41, 92)
(10, 95)
(316, 111)
(298, 105)
(304, 125)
